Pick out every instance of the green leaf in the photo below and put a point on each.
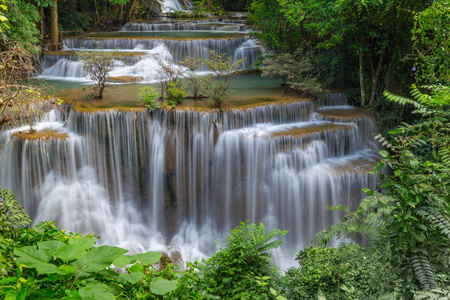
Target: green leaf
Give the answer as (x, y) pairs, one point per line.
(136, 268)
(384, 153)
(50, 246)
(122, 262)
(65, 270)
(148, 258)
(161, 286)
(132, 277)
(96, 291)
(98, 258)
(84, 243)
(32, 257)
(70, 252)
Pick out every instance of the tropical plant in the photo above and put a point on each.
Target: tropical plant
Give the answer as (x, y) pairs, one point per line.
(12, 215)
(347, 272)
(233, 271)
(412, 220)
(431, 40)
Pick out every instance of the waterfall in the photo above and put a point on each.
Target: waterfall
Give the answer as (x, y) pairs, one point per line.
(179, 179)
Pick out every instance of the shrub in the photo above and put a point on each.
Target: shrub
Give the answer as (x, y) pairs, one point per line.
(12, 215)
(197, 82)
(98, 64)
(175, 93)
(348, 272)
(222, 67)
(150, 98)
(234, 271)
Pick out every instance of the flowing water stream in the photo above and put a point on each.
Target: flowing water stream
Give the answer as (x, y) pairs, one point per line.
(177, 180)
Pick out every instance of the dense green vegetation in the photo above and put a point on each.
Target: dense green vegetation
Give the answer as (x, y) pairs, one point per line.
(365, 47)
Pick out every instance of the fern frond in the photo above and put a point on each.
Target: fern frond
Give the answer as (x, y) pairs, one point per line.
(437, 219)
(402, 100)
(423, 272)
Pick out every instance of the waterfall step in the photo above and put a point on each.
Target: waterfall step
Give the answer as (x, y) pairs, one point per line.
(186, 25)
(309, 128)
(168, 35)
(74, 53)
(341, 113)
(359, 163)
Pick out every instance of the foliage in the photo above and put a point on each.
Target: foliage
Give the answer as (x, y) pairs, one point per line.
(77, 269)
(222, 68)
(150, 98)
(169, 72)
(12, 215)
(197, 82)
(357, 45)
(18, 98)
(412, 221)
(432, 42)
(44, 262)
(98, 64)
(347, 272)
(297, 73)
(19, 26)
(176, 93)
(232, 272)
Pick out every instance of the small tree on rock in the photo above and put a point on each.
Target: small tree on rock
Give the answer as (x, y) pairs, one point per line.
(223, 68)
(98, 64)
(297, 73)
(197, 82)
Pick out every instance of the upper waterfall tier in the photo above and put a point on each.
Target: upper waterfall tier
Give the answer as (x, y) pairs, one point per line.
(213, 24)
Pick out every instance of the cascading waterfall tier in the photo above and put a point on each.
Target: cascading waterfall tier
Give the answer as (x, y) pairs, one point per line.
(147, 51)
(179, 179)
(212, 24)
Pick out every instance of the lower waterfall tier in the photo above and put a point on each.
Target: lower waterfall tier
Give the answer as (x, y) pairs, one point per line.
(179, 180)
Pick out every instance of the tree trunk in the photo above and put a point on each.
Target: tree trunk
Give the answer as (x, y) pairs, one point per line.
(120, 13)
(54, 22)
(375, 77)
(129, 11)
(41, 23)
(361, 78)
(96, 17)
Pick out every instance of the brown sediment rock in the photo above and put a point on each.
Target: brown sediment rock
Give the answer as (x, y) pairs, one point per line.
(342, 114)
(40, 135)
(312, 129)
(126, 79)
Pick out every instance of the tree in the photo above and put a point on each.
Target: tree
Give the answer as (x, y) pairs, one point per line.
(297, 73)
(169, 72)
(18, 98)
(431, 39)
(222, 68)
(54, 25)
(197, 81)
(98, 64)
